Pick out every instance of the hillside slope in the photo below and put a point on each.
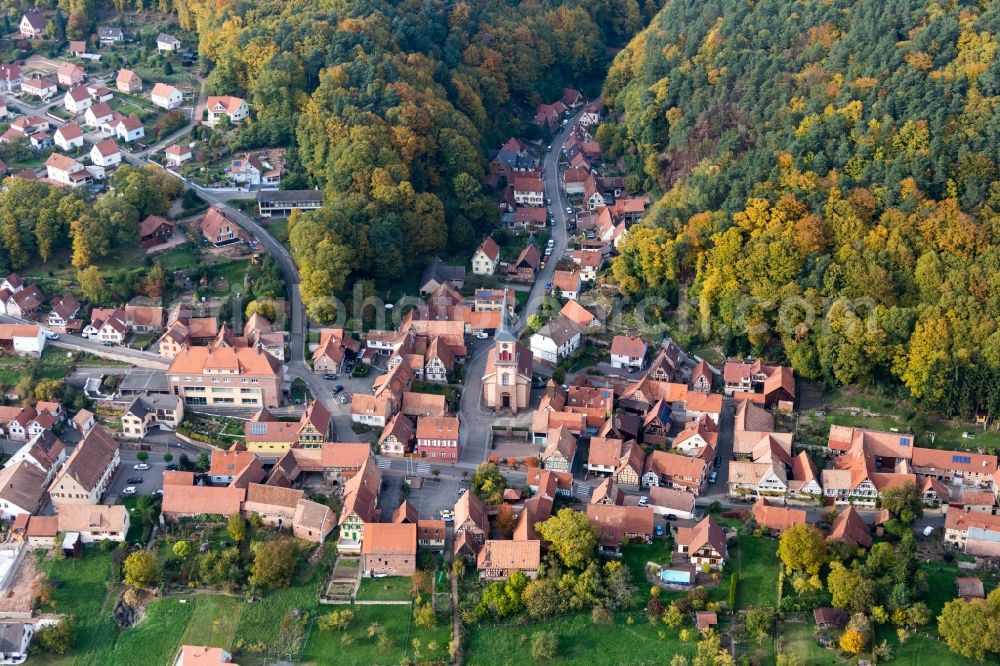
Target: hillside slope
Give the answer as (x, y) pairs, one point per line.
(829, 183)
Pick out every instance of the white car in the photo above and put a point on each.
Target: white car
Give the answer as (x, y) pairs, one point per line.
(142, 467)
(548, 251)
(130, 490)
(49, 335)
(447, 516)
(569, 210)
(551, 242)
(482, 335)
(644, 500)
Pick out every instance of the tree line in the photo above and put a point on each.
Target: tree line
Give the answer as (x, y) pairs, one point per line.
(830, 158)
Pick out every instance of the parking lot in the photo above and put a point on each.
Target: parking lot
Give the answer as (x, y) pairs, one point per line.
(427, 494)
(152, 479)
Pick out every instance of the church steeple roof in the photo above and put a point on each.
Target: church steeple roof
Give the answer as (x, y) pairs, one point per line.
(503, 334)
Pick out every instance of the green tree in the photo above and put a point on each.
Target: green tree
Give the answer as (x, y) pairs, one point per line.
(424, 617)
(237, 527)
(760, 622)
(48, 389)
(57, 638)
(142, 456)
(541, 597)
(673, 617)
(182, 549)
(544, 645)
(802, 548)
(904, 502)
(92, 285)
(488, 483)
(338, 620)
(141, 569)
(274, 563)
(571, 537)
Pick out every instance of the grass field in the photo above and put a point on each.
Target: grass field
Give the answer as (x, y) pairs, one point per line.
(276, 623)
(758, 570)
(394, 588)
(214, 621)
(54, 364)
(153, 640)
(797, 640)
(581, 642)
(353, 647)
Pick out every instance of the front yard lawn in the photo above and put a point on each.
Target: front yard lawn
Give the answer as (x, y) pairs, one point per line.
(393, 588)
(797, 639)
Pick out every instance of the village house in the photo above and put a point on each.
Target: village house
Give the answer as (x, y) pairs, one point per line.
(279, 202)
(431, 534)
(177, 155)
(226, 466)
(199, 655)
(76, 100)
(359, 510)
(776, 519)
(166, 96)
(954, 467)
(219, 230)
(397, 437)
(70, 75)
(21, 303)
(335, 347)
(95, 523)
(529, 191)
(65, 170)
(126, 128)
(106, 154)
(671, 502)
(152, 410)
(128, 81)
(88, 471)
(438, 437)
(497, 560)
(390, 549)
(849, 527)
(523, 268)
(486, 257)
(155, 230)
(64, 311)
(226, 106)
(675, 471)
(471, 525)
(438, 273)
(42, 88)
(97, 115)
(555, 340)
(566, 284)
(560, 450)
(776, 383)
(22, 487)
(32, 24)
(628, 353)
(591, 115)
(617, 524)
(704, 544)
(974, 533)
(10, 77)
(550, 114)
(99, 93)
(68, 137)
(183, 499)
(247, 378)
(167, 43)
(110, 35)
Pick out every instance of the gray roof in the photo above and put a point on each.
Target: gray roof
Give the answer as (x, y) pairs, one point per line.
(293, 196)
(560, 329)
(11, 637)
(143, 404)
(440, 272)
(143, 381)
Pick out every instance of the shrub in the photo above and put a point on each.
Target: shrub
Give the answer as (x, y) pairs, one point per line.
(601, 615)
(544, 645)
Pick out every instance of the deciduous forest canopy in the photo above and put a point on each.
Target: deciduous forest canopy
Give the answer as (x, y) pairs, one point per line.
(839, 155)
(391, 106)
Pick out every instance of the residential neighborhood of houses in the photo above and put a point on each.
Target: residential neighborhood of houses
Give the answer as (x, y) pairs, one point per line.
(432, 443)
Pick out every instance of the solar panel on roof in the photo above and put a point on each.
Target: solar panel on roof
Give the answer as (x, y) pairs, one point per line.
(961, 459)
(258, 428)
(904, 441)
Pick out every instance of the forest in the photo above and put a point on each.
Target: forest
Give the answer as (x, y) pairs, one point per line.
(827, 185)
(390, 107)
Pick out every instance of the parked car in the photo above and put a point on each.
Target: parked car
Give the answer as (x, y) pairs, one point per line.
(130, 490)
(343, 399)
(482, 335)
(447, 516)
(549, 149)
(712, 477)
(337, 389)
(135, 481)
(49, 335)
(330, 376)
(644, 500)
(140, 467)
(158, 492)
(108, 343)
(718, 461)
(173, 468)
(659, 530)
(569, 210)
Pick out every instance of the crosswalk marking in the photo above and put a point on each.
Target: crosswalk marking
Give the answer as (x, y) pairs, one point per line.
(423, 469)
(384, 463)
